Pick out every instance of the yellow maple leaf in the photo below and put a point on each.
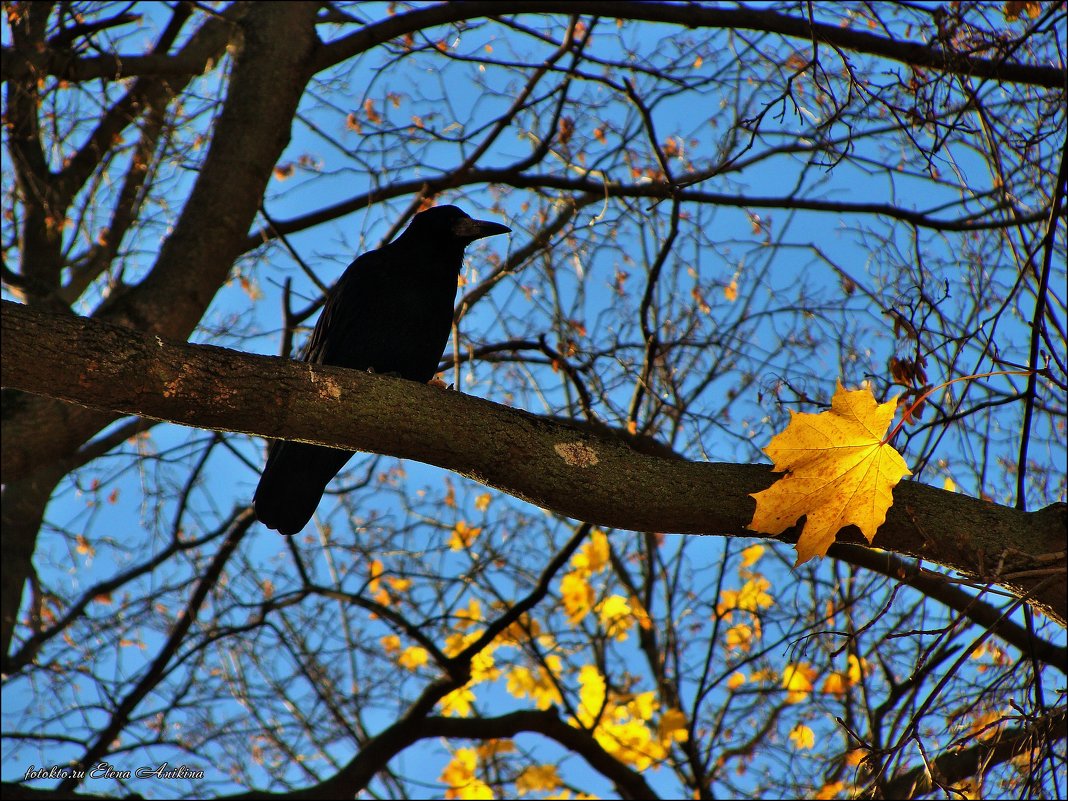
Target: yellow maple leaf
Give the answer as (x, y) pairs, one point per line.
(592, 694)
(858, 668)
(643, 706)
(413, 657)
(730, 292)
(835, 684)
(840, 472)
(855, 757)
(593, 556)
(751, 597)
(803, 737)
(577, 596)
(986, 725)
(520, 631)
(630, 741)
(399, 584)
(736, 680)
(457, 704)
(750, 555)
(1013, 8)
(739, 637)
(797, 681)
(616, 616)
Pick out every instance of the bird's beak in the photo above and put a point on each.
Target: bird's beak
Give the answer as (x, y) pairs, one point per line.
(469, 229)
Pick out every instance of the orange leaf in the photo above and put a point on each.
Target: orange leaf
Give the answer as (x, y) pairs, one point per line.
(463, 536)
(369, 111)
(730, 292)
(840, 472)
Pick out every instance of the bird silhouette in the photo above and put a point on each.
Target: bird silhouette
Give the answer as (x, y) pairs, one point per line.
(390, 312)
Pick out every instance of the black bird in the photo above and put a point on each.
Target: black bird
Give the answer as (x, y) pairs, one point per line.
(391, 312)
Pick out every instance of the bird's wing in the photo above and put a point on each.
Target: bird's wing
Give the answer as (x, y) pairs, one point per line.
(346, 292)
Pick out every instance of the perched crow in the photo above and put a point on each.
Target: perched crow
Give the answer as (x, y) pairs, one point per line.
(391, 312)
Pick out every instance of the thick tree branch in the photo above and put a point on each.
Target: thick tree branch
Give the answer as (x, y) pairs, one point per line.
(629, 783)
(566, 469)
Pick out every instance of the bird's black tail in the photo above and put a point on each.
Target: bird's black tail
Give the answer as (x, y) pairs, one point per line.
(293, 482)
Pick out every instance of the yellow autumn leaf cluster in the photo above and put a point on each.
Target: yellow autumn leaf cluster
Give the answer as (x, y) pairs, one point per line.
(520, 631)
(466, 618)
(460, 777)
(459, 702)
(482, 664)
(751, 555)
(752, 597)
(746, 602)
(617, 615)
(374, 586)
(537, 684)
(576, 594)
(593, 556)
(799, 679)
(829, 791)
(741, 636)
(537, 778)
(494, 747)
(383, 588)
(620, 723)
(1013, 9)
(985, 725)
(840, 472)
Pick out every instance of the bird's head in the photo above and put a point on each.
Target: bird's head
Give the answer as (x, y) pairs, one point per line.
(443, 222)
